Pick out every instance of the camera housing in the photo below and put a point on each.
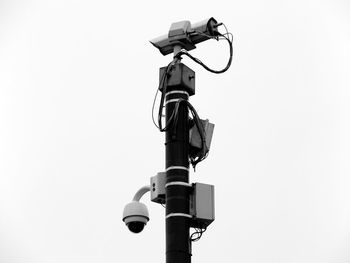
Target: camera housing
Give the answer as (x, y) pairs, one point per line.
(184, 34)
(135, 216)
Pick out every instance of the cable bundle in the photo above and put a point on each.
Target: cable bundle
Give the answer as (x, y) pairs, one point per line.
(195, 236)
(172, 120)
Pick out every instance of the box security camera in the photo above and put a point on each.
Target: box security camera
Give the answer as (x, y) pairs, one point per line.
(184, 34)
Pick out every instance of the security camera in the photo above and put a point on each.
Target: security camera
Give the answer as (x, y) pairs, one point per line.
(204, 30)
(186, 35)
(135, 216)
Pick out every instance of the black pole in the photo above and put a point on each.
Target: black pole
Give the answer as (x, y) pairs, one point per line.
(179, 85)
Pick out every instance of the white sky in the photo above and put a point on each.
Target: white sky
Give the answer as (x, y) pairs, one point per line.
(77, 80)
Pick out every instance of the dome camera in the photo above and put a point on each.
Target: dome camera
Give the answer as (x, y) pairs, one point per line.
(135, 216)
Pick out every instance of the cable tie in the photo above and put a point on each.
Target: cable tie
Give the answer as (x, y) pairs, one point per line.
(172, 100)
(178, 183)
(177, 92)
(178, 214)
(177, 167)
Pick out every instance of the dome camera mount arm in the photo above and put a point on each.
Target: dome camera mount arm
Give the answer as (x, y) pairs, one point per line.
(141, 192)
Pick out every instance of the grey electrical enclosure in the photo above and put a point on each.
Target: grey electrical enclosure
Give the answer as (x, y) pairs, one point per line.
(158, 188)
(202, 205)
(195, 138)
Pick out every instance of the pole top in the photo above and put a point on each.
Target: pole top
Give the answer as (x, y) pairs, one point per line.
(180, 77)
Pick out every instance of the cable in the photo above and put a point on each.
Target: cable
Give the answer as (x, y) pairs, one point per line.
(198, 233)
(162, 86)
(171, 121)
(203, 153)
(223, 36)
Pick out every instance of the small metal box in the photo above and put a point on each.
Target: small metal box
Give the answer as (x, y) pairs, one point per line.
(158, 188)
(181, 76)
(195, 138)
(202, 205)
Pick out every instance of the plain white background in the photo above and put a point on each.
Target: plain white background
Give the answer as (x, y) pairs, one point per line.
(77, 81)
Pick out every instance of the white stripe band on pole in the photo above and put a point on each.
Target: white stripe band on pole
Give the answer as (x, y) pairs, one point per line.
(170, 101)
(178, 214)
(178, 183)
(177, 167)
(177, 92)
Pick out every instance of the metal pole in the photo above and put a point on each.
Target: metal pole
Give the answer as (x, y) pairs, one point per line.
(177, 167)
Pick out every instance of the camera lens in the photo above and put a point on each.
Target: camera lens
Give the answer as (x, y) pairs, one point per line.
(136, 226)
